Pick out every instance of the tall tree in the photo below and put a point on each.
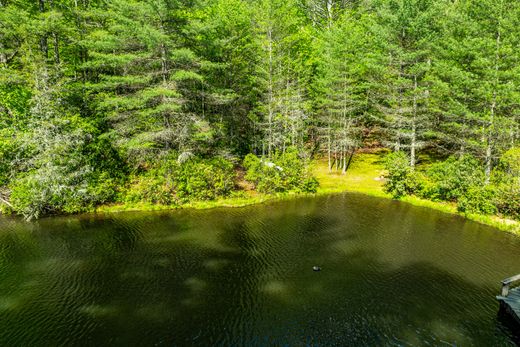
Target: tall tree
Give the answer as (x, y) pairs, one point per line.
(284, 74)
(225, 40)
(350, 53)
(410, 26)
(139, 62)
(478, 79)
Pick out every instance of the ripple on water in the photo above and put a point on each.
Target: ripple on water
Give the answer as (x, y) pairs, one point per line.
(392, 274)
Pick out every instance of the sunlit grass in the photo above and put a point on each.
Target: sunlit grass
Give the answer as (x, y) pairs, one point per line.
(363, 175)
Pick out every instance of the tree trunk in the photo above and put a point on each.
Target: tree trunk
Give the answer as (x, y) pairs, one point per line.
(350, 159)
(397, 144)
(414, 125)
(329, 154)
(492, 111)
(164, 63)
(56, 48)
(43, 38)
(329, 14)
(270, 94)
(489, 140)
(3, 56)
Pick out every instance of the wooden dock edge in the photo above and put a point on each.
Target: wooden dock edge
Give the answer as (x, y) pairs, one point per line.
(507, 305)
(507, 310)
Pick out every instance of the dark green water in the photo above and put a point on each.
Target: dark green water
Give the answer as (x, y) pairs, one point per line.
(392, 274)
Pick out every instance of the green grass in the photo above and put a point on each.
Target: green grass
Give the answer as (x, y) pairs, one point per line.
(363, 176)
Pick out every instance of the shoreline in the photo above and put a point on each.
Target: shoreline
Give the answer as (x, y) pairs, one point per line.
(503, 224)
(362, 178)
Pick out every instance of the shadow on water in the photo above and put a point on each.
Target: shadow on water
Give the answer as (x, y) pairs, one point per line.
(509, 325)
(244, 278)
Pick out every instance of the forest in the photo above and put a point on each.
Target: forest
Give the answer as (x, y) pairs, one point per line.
(170, 101)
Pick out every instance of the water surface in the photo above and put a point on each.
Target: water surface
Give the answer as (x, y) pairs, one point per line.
(392, 274)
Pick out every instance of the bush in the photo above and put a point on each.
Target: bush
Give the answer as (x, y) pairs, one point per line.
(310, 185)
(204, 179)
(451, 179)
(400, 178)
(150, 188)
(460, 180)
(510, 162)
(477, 199)
(102, 188)
(49, 190)
(506, 177)
(283, 173)
(173, 183)
(7, 152)
(507, 200)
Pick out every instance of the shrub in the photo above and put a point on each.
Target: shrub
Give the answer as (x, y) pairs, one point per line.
(49, 190)
(510, 162)
(149, 188)
(173, 183)
(102, 188)
(204, 179)
(283, 173)
(506, 178)
(400, 178)
(450, 179)
(507, 199)
(7, 149)
(477, 199)
(310, 185)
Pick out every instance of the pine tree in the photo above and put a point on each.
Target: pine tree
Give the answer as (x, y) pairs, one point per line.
(138, 63)
(411, 28)
(345, 78)
(283, 110)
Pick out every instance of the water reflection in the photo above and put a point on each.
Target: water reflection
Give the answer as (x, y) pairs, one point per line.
(391, 274)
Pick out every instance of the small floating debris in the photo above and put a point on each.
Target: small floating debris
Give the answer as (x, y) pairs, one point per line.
(316, 268)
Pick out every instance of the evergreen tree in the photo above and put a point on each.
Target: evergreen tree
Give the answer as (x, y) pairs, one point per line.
(410, 26)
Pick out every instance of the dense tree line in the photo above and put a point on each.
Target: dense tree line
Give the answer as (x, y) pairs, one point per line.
(159, 100)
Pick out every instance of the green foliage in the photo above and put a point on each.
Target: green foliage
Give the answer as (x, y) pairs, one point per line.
(400, 179)
(450, 179)
(283, 173)
(447, 180)
(98, 98)
(149, 188)
(7, 155)
(459, 180)
(173, 183)
(55, 189)
(507, 180)
(204, 179)
(477, 199)
(507, 200)
(510, 161)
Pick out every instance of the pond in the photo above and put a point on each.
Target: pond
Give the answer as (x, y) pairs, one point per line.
(391, 274)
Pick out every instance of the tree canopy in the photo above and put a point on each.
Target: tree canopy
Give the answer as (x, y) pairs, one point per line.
(104, 100)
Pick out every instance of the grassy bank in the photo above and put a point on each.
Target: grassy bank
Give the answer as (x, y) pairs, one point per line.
(364, 176)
